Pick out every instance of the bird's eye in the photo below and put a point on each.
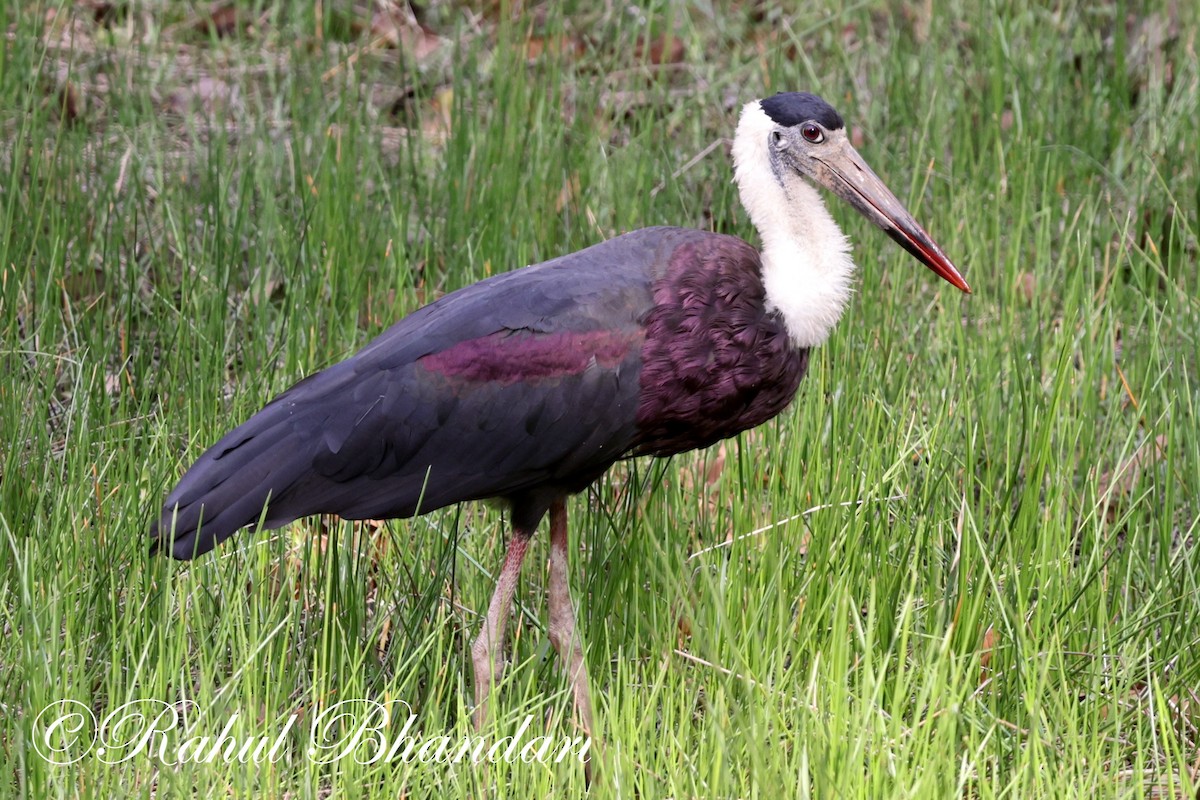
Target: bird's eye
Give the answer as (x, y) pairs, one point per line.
(812, 133)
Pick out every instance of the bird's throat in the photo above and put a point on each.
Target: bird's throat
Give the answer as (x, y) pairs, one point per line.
(807, 269)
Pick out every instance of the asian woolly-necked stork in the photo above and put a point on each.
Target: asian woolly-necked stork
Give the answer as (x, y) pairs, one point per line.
(527, 386)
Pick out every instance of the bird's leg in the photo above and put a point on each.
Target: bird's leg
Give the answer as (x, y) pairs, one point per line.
(562, 615)
(487, 652)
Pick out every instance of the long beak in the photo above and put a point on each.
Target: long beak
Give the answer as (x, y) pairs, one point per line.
(842, 171)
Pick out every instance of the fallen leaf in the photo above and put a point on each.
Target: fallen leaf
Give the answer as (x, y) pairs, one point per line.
(986, 647)
(112, 383)
(1027, 286)
(435, 126)
(664, 49)
(222, 20)
(106, 14)
(715, 468)
(919, 16)
(70, 102)
(569, 191)
(702, 472)
(397, 27)
(538, 46)
(1115, 486)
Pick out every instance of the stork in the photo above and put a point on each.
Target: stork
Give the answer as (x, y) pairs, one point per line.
(529, 385)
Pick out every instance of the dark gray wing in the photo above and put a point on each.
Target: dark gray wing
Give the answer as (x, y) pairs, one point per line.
(527, 379)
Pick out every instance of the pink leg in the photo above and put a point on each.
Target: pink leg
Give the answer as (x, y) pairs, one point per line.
(562, 616)
(487, 650)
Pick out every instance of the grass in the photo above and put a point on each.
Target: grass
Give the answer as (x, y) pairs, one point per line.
(994, 594)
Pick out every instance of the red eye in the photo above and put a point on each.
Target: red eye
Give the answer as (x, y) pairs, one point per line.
(812, 133)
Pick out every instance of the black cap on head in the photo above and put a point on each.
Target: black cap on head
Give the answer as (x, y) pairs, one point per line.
(792, 108)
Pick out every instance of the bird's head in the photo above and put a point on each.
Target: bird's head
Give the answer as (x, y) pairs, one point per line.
(795, 135)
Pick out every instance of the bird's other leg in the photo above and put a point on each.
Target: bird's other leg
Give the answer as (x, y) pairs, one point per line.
(562, 615)
(487, 652)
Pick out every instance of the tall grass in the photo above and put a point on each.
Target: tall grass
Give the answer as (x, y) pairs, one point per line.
(962, 565)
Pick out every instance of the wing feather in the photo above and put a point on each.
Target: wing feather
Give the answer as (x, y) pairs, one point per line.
(526, 379)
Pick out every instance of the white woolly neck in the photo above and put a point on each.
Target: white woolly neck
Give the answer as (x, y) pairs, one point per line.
(807, 268)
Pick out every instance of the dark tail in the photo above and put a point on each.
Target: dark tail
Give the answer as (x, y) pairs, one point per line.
(232, 486)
